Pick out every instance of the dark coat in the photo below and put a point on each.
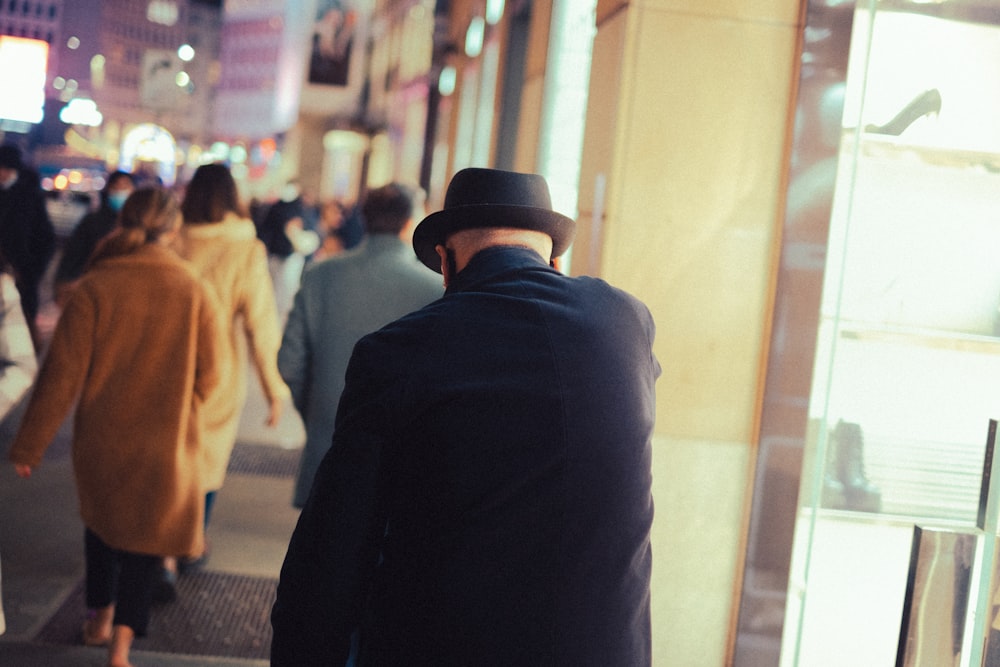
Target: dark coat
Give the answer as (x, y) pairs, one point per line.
(487, 497)
(272, 228)
(80, 245)
(27, 237)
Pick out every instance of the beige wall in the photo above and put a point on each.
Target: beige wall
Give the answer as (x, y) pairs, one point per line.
(532, 93)
(687, 125)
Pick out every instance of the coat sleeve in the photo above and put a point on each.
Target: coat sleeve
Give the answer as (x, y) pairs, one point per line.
(42, 236)
(60, 381)
(295, 354)
(260, 324)
(18, 364)
(334, 548)
(209, 353)
(76, 250)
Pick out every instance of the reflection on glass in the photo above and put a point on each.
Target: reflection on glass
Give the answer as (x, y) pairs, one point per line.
(885, 354)
(937, 597)
(785, 420)
(991, 656)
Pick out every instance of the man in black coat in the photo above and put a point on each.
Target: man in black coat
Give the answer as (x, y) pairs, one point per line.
(27, 237)
(486, 500)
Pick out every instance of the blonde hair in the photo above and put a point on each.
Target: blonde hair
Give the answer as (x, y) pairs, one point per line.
(148, 214)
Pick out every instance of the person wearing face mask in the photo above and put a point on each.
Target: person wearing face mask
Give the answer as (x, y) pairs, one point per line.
(88, 233)
(27, 237)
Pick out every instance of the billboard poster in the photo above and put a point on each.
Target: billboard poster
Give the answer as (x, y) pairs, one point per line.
(332, 40)
(22, 78)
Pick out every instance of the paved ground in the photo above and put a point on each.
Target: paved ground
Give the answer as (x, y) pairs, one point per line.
(41, 545)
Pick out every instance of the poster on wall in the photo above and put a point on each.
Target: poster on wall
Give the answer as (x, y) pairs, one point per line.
(332, 40)
(262, 62)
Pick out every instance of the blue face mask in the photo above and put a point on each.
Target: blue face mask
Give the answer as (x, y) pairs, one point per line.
(117, 199)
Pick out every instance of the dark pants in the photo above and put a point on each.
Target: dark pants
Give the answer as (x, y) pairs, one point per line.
(120, 577)
(209, 504)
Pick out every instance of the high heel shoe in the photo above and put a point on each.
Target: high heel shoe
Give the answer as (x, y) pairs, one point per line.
(924, 104)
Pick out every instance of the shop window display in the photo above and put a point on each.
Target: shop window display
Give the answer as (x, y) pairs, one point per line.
(882, 376)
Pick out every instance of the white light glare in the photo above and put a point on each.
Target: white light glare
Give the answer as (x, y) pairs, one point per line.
(81, 111)
(494, 11)
(164, 12)
(446, 82)
(474, 37)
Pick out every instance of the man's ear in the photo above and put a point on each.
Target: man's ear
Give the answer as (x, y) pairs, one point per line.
(445, 264)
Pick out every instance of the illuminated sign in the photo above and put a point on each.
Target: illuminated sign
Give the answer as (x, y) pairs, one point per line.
(22, 78)
(163, 12)
(81, 111)
(263, 53)
(162, 87)
(151, 144)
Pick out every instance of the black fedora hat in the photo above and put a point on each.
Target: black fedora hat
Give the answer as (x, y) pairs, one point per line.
(478, 198)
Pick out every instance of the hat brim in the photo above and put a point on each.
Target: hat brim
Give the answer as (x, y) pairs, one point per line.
(437, 227)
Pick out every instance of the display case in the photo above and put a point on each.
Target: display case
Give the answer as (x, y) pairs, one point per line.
(903, 368)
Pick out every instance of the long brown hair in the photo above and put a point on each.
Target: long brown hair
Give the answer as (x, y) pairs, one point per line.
(210, 195)
(148, 214)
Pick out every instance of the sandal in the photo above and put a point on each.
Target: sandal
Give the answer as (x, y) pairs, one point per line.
(92, 637)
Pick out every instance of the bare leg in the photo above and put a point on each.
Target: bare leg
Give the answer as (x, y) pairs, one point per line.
(97, 628)
(121, 643)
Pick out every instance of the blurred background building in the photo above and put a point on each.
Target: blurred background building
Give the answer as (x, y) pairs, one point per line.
(805, 193)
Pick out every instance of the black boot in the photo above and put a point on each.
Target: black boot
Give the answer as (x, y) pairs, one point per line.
(861, 494)
(834, 494)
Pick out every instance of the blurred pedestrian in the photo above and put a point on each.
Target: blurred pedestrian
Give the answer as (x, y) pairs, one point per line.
(342, 299)
(27, 237)
(135, 350)
(93, 227)
(17, 358)
(330, 228)
(221, 243)
(352, 231)
(282, 232)
(487, 497)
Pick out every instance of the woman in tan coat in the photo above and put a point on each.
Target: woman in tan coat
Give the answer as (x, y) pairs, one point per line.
(136, 348)
(222, 245)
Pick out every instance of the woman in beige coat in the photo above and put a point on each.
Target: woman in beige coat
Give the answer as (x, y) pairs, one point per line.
(18, 364)
(222, 245)
(136, 349)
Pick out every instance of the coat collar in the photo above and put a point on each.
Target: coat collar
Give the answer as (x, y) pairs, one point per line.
(491, 262)
(232, 226)
(147, 252)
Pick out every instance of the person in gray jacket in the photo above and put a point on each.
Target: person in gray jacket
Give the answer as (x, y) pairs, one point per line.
(340, 300)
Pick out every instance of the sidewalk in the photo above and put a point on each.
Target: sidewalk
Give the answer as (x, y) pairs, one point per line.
(221, 615)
